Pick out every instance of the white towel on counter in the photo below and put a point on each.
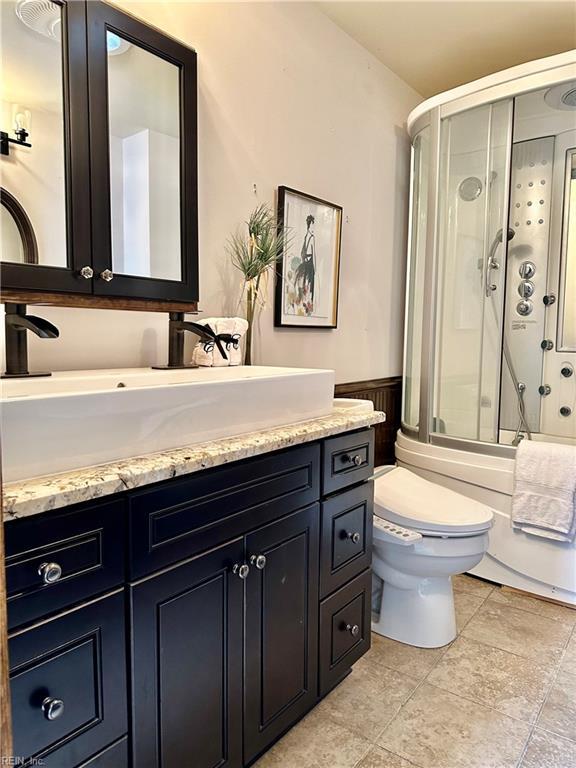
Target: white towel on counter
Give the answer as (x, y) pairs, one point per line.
(206, 353)
(544, 498)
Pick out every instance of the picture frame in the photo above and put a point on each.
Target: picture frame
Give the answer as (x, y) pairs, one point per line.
(308, 274)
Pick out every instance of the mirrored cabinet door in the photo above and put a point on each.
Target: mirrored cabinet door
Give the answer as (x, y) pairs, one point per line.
(142, 90)
(44, 160)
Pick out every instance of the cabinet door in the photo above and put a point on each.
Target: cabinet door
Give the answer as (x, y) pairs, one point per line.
(142, 95)
(281, 644)
(187, 664)
(45, 193)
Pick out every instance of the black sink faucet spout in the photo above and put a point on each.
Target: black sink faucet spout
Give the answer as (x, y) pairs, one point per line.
(176, 329)
(17, 324)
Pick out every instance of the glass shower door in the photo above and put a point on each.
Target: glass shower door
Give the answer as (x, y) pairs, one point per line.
(471, 252)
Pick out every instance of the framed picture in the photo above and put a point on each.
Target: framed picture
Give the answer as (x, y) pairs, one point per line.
(309, 267)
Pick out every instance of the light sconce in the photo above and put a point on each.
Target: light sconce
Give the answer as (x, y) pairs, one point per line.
(21, 119)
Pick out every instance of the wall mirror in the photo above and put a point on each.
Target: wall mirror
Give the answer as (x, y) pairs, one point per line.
(33, 177)
(144, 135)
(567, 324)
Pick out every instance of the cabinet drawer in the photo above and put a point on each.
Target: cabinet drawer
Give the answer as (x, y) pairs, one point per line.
(68, 684)
(184, 517)
(86, 546)
(344, 630)
(347, 459)
(114, 756)
(346, 545)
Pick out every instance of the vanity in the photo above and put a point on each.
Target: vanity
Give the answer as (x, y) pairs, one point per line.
(194, 620)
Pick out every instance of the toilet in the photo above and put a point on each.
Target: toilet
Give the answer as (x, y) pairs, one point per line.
(423, 535)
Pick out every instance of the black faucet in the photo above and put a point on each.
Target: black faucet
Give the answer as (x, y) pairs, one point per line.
(17, 323)
(177, 327)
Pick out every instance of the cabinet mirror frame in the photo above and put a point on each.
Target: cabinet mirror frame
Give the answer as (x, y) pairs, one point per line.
(101, 19)
(39, 277)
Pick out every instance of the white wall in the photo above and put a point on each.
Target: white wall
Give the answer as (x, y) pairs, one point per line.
(285, 97)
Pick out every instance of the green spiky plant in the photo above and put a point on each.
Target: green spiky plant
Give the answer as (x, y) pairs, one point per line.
(255, 251)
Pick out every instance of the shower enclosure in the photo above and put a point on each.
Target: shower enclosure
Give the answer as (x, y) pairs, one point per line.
(490, 346)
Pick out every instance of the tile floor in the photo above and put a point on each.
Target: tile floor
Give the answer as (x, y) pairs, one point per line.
(502, 695)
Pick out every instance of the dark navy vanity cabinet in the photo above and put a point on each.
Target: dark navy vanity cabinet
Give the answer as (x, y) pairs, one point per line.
(189, 624)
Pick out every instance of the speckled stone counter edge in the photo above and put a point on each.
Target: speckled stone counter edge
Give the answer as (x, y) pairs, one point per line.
(41, 494)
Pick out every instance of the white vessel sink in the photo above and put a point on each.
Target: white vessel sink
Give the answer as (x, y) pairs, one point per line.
(80, 418)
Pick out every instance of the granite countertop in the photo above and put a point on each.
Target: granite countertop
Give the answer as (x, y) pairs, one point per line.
(41, 494)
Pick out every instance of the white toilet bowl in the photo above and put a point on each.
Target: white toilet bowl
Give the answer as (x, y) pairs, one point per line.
(435, 534)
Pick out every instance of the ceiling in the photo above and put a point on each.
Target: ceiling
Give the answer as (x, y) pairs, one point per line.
(434, 46)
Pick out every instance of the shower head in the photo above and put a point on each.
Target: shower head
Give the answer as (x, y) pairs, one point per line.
(470, 188)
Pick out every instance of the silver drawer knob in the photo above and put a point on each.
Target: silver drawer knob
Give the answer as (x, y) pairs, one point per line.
(52, 708)
(259, 561)
(356, 459)
(107, 275)
(241, 571)
(354, 629)
(87, 273)
(354, 537)
(50, 572)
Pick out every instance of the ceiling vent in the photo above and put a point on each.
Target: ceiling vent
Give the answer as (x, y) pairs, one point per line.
(42, 16)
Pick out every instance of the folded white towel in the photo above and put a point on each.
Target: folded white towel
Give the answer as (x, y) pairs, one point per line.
(203, 353)
(544, 499)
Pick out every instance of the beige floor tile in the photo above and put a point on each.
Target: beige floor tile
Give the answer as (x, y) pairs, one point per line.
(518, 631)
(381, 758)
(437, 729)
(416, 662)
(465, 605)
(559, 712)
(368, 699)
(534, 605)
(471, 585)
(548, 751)
(509, 683)
(569, 661)
(316, 742)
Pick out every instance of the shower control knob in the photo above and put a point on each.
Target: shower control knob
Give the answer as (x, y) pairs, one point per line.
(526, 270)
(524, 307)
(544, 389)
(565, 410)
(547, 344)
(549, 299)
(526, 289)
(567, 371)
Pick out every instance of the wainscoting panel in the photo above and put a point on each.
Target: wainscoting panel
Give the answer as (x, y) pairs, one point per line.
(386, 394)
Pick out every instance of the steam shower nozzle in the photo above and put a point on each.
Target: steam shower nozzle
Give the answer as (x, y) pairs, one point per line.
(509, 234)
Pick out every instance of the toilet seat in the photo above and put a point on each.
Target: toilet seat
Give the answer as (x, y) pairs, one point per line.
(404, 498)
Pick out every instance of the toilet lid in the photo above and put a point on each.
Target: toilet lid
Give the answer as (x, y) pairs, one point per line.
(406, 499)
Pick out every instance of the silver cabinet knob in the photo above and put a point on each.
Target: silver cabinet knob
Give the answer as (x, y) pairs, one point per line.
(107, 275)
(354, 629)
(354, 537)
(87, 273)
(356, 459)
(241, 571)
(50, 572)
(52, 708)
(259, 561)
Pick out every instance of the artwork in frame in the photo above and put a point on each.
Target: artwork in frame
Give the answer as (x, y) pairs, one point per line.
(309, 266)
